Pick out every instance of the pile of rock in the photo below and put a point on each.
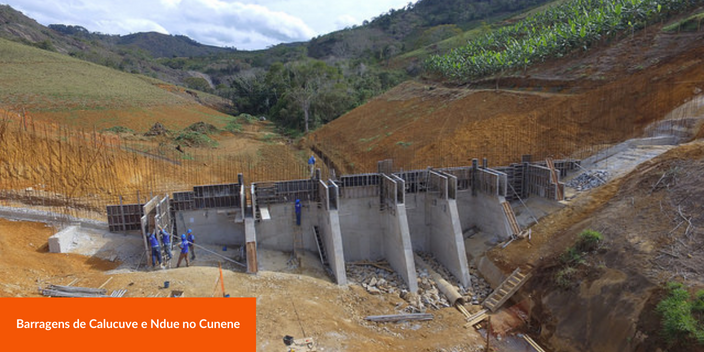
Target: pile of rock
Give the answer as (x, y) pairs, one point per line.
(588, 180)
(157, 130)
(480, 288)
(375, 280)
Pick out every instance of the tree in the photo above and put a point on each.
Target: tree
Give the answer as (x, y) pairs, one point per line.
(308, 79)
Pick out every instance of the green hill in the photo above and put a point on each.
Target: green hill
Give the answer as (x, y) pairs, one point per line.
(56, 86)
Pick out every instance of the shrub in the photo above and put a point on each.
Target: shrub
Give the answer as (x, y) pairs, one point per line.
(195, 139)
(678, 322)
(247, 118)
(565, 277)
(589, 240)
(118, 129)
(572, 256)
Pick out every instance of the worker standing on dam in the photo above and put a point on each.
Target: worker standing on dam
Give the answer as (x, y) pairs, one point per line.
(156, 250)
(298, 212)
(166, 242)
(184, 250)
(311, 165)
(192, 244)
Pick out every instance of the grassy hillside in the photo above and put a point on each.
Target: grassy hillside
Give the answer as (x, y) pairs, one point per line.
(51, 85)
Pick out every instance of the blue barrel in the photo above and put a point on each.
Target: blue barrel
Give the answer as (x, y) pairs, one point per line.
(166, 284)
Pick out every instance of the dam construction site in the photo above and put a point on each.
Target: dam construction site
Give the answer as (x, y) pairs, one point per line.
(550, 209)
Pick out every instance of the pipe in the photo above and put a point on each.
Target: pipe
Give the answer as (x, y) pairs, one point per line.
(445, 287)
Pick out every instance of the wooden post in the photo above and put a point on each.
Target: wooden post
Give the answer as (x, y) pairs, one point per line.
(488, 333)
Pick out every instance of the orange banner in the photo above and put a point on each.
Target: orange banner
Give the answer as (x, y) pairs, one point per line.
(128, 324)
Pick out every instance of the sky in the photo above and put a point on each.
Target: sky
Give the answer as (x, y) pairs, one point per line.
(243, 24)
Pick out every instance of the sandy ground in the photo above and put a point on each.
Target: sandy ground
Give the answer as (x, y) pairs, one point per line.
(289, 301)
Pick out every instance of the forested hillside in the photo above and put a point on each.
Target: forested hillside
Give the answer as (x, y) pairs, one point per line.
(299, 86)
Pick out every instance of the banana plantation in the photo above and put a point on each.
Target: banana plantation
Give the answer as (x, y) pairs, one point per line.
(552, 33)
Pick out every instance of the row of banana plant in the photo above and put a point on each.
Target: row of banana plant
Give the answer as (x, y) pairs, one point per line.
(551, 33)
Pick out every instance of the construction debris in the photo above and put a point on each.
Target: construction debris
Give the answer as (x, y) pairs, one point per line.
(399, 317)
(445, 287)
(588, 180)
(377, 278)
(74, 291)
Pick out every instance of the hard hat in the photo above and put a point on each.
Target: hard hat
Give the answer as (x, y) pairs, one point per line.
(189, 231)
(298, 200)
(183, 236)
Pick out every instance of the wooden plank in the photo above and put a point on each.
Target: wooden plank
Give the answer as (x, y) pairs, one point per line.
(399, 317)
(252, 266)
(533, 343)
(105, 283)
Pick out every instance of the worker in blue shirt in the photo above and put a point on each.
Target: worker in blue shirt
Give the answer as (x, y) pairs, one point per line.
(166, 242)
(156, 250)
(298, 212)
(184, 250)
(191, 244)
(311, 165)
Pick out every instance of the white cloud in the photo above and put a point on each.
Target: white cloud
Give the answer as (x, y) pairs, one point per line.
(344, 21)
(244, 24)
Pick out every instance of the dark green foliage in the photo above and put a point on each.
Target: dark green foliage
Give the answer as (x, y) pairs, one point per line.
(678, 322)
(118, 129)
(195, 139)
(198, 83)
(575, 24)
(572, 256)
(202, 127)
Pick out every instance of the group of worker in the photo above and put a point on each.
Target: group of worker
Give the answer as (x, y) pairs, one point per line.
(187, 245)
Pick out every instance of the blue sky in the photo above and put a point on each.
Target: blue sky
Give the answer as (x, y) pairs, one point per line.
(243, 24)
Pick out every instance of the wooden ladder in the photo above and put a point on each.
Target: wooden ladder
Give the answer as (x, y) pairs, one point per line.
(555, 180)
(506, 290)
(511, 217)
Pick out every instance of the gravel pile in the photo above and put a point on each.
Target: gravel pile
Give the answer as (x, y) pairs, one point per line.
(588, 180)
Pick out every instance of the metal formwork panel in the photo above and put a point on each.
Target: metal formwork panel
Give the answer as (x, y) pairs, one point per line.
(182, 201)
(287, 191)
(388, 191)
(538, 181)
(324, 195)
(415, 181)
(463, 175)
(360, 186)
(333, 194)
(400, 189)
(126, 217)
(217, 196)
(488, 182)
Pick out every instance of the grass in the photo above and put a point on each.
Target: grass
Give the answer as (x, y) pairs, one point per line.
(50, 81)
(195, 139)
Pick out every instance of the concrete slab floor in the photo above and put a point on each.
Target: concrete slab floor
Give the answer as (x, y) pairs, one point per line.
(310, 265)
(537, 207)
